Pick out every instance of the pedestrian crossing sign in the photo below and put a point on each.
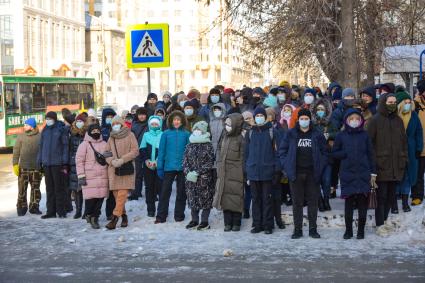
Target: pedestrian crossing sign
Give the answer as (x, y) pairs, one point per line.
(147, 46)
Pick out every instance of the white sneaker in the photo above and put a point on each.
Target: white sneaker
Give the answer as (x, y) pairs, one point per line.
(382, 231)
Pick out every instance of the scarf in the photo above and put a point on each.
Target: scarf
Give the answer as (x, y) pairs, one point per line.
(122, 133)
(204, 138)
(153, 138)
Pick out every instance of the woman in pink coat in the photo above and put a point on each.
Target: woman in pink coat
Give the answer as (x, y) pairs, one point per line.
(92, 176)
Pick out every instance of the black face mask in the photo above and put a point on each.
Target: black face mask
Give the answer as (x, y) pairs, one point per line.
(95, 136)
(256, 99)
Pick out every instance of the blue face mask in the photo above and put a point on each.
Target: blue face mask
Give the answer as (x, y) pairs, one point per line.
(320, 113)
(281, 97)
(215, 98)
(407, 108)
(108, 121)
(116, 128)
(259, 120)
(182, 103)
(304, 123)
(50, 122)
(188, 112)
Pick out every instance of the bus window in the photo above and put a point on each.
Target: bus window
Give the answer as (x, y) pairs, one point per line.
(51, 94)
(25, 94)
(11, 98)
(63, 96)
(1, 101)
(72, 91)
(38, 97)
(86, 95)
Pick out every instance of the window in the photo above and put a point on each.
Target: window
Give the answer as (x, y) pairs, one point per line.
(52, 95)
(11, 99)
(71, 90)
(38, 97)
(25, 94)
(63, 96)
(87, 95)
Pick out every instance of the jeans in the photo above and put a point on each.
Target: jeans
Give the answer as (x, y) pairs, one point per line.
(325, 184)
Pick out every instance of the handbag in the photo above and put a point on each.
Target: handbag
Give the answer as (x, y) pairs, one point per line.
(125, 169)
(98, 156)
(372, 199)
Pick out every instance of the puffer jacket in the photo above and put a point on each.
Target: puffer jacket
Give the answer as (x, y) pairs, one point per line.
(96, 174)
(106, 129)
(53, 147)
(216, 124)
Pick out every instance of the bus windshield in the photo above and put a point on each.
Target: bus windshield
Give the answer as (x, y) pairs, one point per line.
(11, 98)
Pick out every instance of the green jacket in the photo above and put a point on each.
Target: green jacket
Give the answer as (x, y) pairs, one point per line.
(26, 149)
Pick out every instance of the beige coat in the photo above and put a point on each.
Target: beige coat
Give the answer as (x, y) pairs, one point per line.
(128, 150)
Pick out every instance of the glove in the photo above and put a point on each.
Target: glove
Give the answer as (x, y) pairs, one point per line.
(418, 154)
(82, 180)
(192, 176)
(64, 169)
(373, 181)
(117, 163)
(248, 183)
(160, 173)
(16, 169)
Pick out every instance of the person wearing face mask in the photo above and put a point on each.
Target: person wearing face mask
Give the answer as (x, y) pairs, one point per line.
(24, 159)
(198, 162)
(303, 156)
(354, 148)
(213, 98)
(389, 140)
(415, 145)
(229, 193)
(166, 99)
(294, 98)
(321, 111)
(53, 158)
(368, 95)
(258, 95)
(107, 115)
(92, 176)
(190, 111)
(151, 103)
(217, 114)
(308, 99)
(123, 145)
(162, 113)
(149, 147)
(260, 166)
(77, 133)
(282, 95)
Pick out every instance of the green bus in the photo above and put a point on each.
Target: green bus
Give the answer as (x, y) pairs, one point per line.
(22, 97)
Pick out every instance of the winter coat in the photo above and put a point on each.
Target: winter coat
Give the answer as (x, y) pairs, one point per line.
(96, 174)
(192, 121)
(75, 139)
(288, 153)
(354, 148)
(204, 111)
(229, 194)
(106, 129)
(389, 142)
(216, 125)
(139, 129)
(128, 150)
(26, 149)
(150, 143)
(53, 147)
(199, 157)
(322, 124)
(260, 153)
(172, 145)
(420, 110)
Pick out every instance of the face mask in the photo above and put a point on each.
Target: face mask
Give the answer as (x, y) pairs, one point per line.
(197, 133)
(50, 122)
(259, 120)
(287, 114)
(95, 136)
(281, 97)
(407, 108)
(320, 113)
(116, 128)
(182, 104)
(214, 98)
(308, 99)
(304, 123)
(256, 99)
(155, 128)
(166, 99)
(217, 113)
(391, 108)
(354, 123)
(228, 128)
(108, 121)
(79, 124)
(377, 96)
(188, 112)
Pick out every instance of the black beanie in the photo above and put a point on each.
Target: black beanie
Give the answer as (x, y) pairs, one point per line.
(52, 115)
(142, 111)
(70, 118)
(304, 112)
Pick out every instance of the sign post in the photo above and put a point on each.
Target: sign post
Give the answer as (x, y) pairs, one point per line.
(147, 46)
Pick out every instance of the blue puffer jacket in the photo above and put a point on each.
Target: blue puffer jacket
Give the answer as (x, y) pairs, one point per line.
(106, 129)
(288, 153)
(172, 145)
(354, 148)
(260, 153)
(53, 148)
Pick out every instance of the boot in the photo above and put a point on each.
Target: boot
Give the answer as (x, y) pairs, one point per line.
(313, 233)
(94, 222)
(405, 202)
(78, 205)
(333, 192)
(326, 204)
(360, 229)
(321, 205)
(246, 214)
(394, 208)
(124, 221)
(348, 230)
(280, 224)
(192, 225)
(35, 210)
(22, 211)
(203, 226)
(47, 216)
(111, 225)
(227, 228)
(298, 233)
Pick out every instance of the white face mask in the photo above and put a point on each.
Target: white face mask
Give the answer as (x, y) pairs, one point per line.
(308, 99)
(197, 133)
(182, 103)
(116, 128)
(354, 123)
(50, 122)
(217, 113)
(228, 128)
(287, 114)
(79, 124)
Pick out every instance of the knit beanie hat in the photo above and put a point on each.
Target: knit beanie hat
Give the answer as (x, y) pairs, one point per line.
(91, 113)
(152, 95)
(260, 110)
(194, 93)
(201, 125)
(81, 117)
(142, 111)
(402, 95)
(304, 112)
(166, 93)
(31, 122)
(52, 115)
(259, 91)
(348, 92)
(247, 115)
(310, 90)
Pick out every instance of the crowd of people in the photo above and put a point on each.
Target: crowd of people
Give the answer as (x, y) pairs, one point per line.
(245, 152)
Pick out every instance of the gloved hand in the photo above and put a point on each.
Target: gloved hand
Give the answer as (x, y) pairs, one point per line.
(248, 182)
(16, 169)
(82, 180)
(160, 173)
(192, 176)
(418, 154)
(373, 181)
(117, 162)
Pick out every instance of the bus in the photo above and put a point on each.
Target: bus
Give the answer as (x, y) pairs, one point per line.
(22, 97)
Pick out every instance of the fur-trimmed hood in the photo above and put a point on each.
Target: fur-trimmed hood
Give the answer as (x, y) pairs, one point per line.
(171, 117)
(313, 109)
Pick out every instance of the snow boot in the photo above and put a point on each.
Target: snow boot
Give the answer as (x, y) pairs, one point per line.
(227, 228)
(192, 225)
(394, 207)
(256, 230)
(203, 226)
(313, 233)
(360, 229)
(326, 204)
(47, 216)
(268, 231)
(78, 204)
(348, 225)
(22, 211)
(246, 214)
(94, 222)
(298, 233)
(321, 204)
(280, 224)
(124, 221)
(236, 228)
(113, 223)
(35, 210)
(348, 232)
(405, 201)
(333, 192)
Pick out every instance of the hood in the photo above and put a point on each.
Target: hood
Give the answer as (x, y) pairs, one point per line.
(381, 104)
(155, 117)
(347, 114)
(171, 117)
(328, 107)
(223, 110)
(333, 85)
(106, 112)
(237, 122)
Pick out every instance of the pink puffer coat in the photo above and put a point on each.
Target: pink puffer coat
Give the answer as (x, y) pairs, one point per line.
(96, 174)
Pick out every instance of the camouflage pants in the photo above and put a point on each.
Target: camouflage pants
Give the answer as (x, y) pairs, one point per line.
(32, 177)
